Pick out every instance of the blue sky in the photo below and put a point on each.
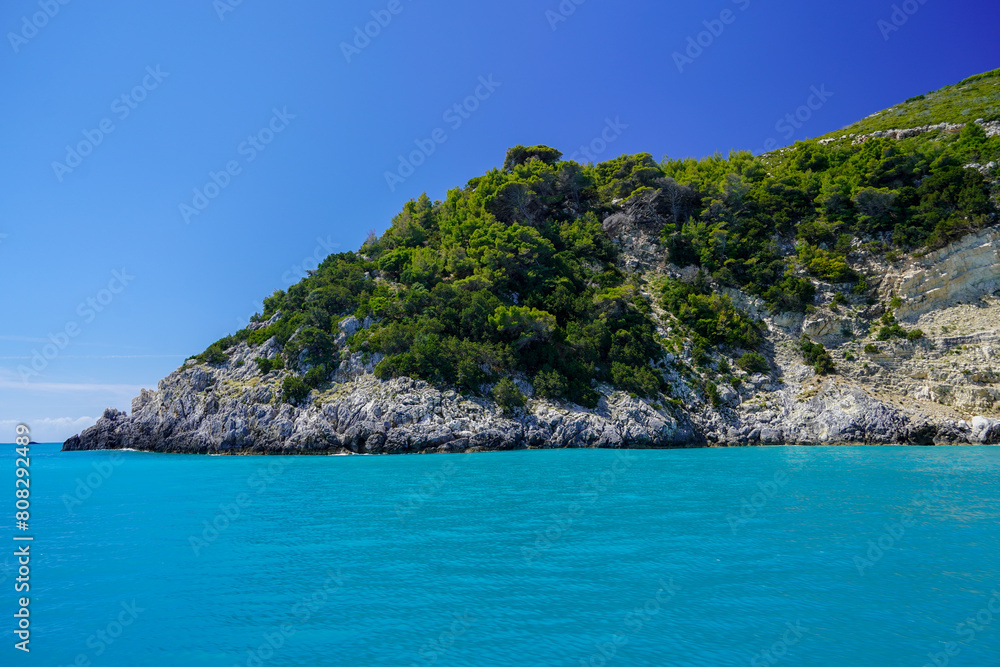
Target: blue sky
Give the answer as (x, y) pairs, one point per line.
(278, 138)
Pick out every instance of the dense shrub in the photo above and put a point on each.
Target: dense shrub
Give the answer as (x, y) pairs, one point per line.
(641, 380)
(891, 329)
(507, 395)
(316, 376)
(817, 356)
(753, 362)
(268, 365)
(826, 265)
(294, 390)
(711, 316)
(214, 355)
(550, 383)
(791, 294)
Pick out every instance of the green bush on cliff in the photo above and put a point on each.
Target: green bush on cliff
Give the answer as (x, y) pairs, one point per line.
(507, 395)
(710, 316)
(753, 362)
(817, 356)
(294, 390)
(549, 383)
(268, 365)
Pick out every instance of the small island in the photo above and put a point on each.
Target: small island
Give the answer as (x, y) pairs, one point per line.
(843, 290)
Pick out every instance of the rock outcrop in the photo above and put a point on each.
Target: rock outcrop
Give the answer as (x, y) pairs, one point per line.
(967, 268)
(200, 409)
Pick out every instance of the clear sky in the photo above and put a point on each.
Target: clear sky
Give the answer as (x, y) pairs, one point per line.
(115, 113)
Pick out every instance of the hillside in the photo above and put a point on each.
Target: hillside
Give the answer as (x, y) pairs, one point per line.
(977, 97)
(820, 293)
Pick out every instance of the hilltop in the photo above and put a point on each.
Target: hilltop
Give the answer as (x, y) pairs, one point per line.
(838, 290)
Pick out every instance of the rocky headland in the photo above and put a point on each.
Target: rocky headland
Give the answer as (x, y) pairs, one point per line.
(941, 389)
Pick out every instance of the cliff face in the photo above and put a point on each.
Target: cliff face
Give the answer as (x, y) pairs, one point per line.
(969, 267)
(941, 389)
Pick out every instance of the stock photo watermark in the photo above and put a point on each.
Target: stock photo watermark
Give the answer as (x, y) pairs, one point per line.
(324, 248)
(779, 649)
(230, 513)
(562, 13)
(85, 486)
(223, 7)
(30, 25)
(899, 17)
(633, 623)
(749, 507)
(104, 638)
(436, 648)
(796, 120)
(609, 135)
(697, 44)
(122, 106)
(303, 612)
(254, 145)
(88, 311)
(294, 274)
(894, 531)
(589, 494)
(455, 116)
(432, 483)
(967, 631)
(363, 36)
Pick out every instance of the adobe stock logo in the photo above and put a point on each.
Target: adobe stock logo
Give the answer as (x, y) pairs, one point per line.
(87, 310)
(223, 7)
(900, 15)
(697, 45)
(612, 130)
(381, 18)
(566, 9)
(31, 26)
(217, 182)
(122, 106)
(791, 122)
(455, 116)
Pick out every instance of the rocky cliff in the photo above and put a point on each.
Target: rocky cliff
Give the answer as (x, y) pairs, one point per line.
(939, 389)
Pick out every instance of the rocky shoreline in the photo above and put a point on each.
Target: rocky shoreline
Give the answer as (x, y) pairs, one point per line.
(204, 410)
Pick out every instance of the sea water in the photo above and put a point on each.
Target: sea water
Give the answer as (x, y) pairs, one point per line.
(757, 556)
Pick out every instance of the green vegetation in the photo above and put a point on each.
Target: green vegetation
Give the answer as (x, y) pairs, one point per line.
(294, 390)
(975, 97)
(550, 383)
(753, 362)
(891, 329)
(712, 317)
(712, 392)
(268, 365)
(829, 266)
(817, 356)
(516, 274)
(507, 395)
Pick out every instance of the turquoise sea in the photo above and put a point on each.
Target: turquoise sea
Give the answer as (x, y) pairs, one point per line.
(795, 556)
